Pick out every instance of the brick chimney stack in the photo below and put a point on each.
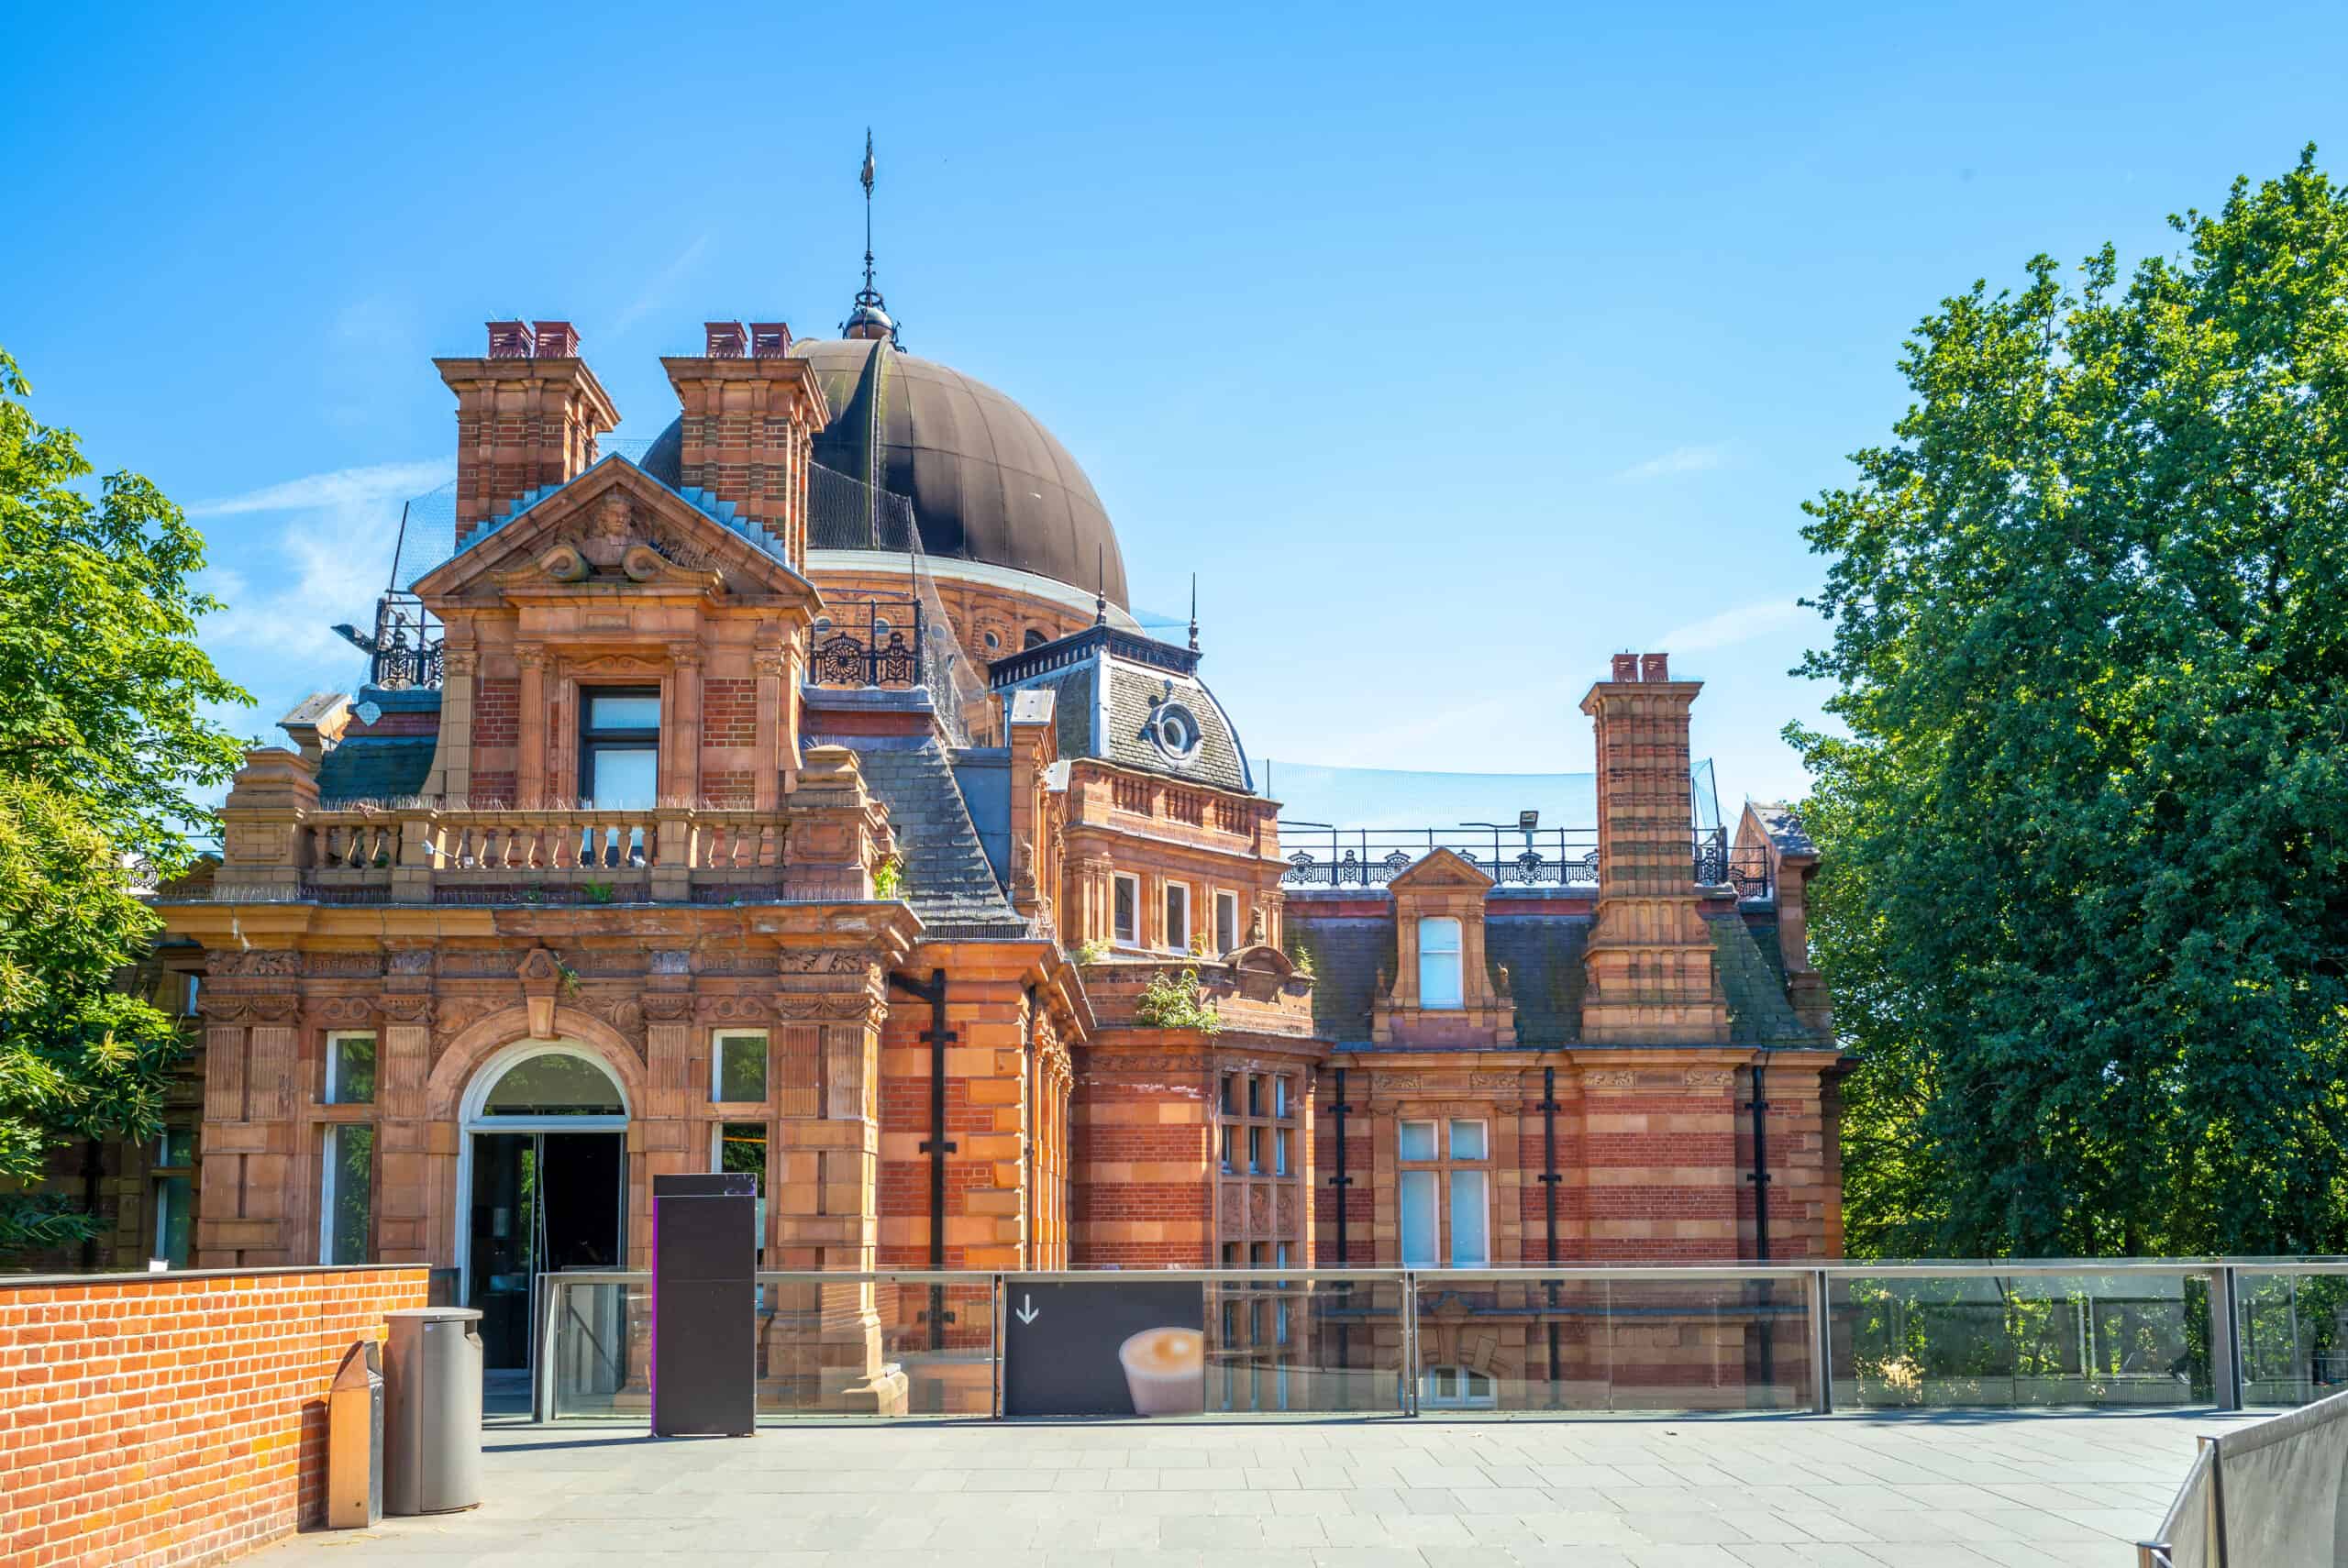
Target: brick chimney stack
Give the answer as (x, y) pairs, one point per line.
(1650, 966)
(749, 424)
(528, 413)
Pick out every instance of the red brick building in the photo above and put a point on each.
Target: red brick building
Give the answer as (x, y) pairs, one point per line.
(796, 793)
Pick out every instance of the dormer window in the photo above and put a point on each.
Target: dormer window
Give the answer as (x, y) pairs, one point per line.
(619, 747)
(1439, 974)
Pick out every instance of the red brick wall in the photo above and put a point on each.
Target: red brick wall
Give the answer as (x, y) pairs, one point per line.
(730, 712)
(173, 1418)
(497, 711)
(730, 788)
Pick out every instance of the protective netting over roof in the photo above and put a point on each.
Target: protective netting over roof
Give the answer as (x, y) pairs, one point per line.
(1399, 798)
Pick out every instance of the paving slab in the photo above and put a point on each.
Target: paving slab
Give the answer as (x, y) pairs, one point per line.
(1909, 1490)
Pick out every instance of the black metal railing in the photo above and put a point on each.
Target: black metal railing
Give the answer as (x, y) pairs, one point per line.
(1322, 855)
(404, 651)
(869, 642)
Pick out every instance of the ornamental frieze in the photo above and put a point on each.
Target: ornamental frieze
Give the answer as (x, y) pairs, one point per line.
(1710, 1077)
(219, 1008)
(405, 1007)
(410, 961)
(670, 961)
(343, 965)
(341, 1012)
(1602, 1079)
(658, 1007)
(824, 961)
(273, 962)
(731, 1010)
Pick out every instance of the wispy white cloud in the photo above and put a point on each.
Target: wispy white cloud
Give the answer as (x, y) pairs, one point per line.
(656, 292)
(1679, 460)
(325, 562)
(370, 486)
(1729, 627)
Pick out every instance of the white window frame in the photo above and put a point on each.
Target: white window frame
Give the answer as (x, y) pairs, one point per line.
(1455, 953)
(330, 1167)
(335, 1037)
(1445, 1167)
(1461, 1399)
(158, 1177)
(1225, 899)
(717, 1038)
(1130, 936)
(1178, 944)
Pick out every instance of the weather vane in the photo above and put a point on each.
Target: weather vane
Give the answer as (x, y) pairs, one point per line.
(870, 317)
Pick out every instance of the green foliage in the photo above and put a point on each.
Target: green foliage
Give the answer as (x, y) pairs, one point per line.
(2084, 899)
(1301, 957)
(1171, 1002)
(597, 892)
(101, 740)
(887, 878)
(1091, 953)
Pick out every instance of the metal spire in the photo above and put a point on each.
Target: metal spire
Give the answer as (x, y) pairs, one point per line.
(870, 317)
(1195, 612)
(865, 178)
(1100, 594)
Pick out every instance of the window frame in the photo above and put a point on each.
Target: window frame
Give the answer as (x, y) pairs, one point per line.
(1129, 935)
(1443, 1165)
(159, 1174)
(593, 741)
(329, 1191)
(329, 1092)
(1226, 900)
(1456, 997)
(717, 1040)
(1175, 889)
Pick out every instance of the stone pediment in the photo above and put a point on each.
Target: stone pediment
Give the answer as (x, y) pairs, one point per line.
(614, 529)
(1440, 868)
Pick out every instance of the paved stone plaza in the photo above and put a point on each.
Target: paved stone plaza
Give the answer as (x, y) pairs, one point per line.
(1920, 1491)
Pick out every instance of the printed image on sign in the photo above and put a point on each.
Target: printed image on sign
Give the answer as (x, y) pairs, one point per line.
(1117, 1347)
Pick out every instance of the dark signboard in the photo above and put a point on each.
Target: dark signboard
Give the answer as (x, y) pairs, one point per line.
(1121, 1346)
(705, 1301)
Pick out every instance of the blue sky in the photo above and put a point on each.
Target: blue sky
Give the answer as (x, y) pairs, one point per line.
(1452, 359)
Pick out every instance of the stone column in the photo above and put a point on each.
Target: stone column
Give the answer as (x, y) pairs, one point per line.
(530, 782)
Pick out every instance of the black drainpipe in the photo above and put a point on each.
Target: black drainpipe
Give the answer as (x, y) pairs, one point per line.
(1549, 1179)
(1034, 1144)
(1340, 1181)
(1760, 1180)
(937, 1145)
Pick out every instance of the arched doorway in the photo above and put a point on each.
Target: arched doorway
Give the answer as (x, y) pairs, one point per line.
(544, 1171)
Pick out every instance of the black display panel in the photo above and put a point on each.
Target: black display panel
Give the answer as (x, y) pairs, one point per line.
(705, 1305)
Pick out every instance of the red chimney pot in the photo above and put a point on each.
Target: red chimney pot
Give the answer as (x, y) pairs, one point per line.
(1655, 667)
(1627, 667)
(557, 340)
(509, 340)
(726, 338)
(770, 340)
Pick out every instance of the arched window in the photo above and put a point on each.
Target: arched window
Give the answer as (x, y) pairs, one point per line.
(1035, 639)
(1439, 961)
(535, 1083)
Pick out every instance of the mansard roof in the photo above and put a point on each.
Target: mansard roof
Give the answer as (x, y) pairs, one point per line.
(1114, 689)
(947, 879)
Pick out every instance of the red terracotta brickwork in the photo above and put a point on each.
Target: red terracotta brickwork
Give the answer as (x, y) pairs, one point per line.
(175, 1419)
(735, 789)
(497, 711)
(730, 712)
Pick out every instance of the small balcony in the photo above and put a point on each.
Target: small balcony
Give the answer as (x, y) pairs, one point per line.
(1321, 855)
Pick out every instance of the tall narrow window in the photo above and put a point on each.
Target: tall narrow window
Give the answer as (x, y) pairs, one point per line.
(1226, 922)
(1445, 1193)
(742, 1147)
(350, 1069)
(619, 747)
(1439, 961)
(739, 1065)
(347, 1207)
(172, 1185)
(1125, 924)
(1178, 916)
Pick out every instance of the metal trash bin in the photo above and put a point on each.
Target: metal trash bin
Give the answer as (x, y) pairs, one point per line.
(355, 1440)
(433, 1446)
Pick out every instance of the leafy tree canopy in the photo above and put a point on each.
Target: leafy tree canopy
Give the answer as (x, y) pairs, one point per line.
(2084, 901)
(103, 741)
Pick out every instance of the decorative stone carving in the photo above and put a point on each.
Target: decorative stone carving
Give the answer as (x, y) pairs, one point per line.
(731, 1010)
(405, 1007)
(667, 1007)
(410, 961)
(341, 1012)
(346, 965)
(624, 1013)
(542, 975)
(670, 961)
(564, 563)
(824, 961)
(1709, 1078)
(270, 962)
(1610, 1079)
(231, 1008)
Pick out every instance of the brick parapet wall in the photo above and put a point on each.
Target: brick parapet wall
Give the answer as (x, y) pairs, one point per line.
(173, 1418)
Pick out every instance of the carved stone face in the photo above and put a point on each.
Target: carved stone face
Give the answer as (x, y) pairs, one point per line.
(608, 530)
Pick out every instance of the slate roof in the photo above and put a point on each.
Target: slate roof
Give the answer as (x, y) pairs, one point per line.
(390, 766)
(1140, 674)
(1544, 955)
(1758, 1012)
(946, 879)
(1545, 973)
(1784, 827)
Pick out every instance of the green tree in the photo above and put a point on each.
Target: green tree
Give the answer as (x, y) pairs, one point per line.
(104, 741)
(2084, 896)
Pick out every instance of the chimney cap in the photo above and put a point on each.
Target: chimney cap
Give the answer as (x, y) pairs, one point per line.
(724, 339)
(556, 340)
(1655, 667)
(510, 340)
(770, 339)
(1627, 667)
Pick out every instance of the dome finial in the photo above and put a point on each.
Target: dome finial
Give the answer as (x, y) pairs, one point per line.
(1195, 612)
(1100, 594)
(870, 318)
